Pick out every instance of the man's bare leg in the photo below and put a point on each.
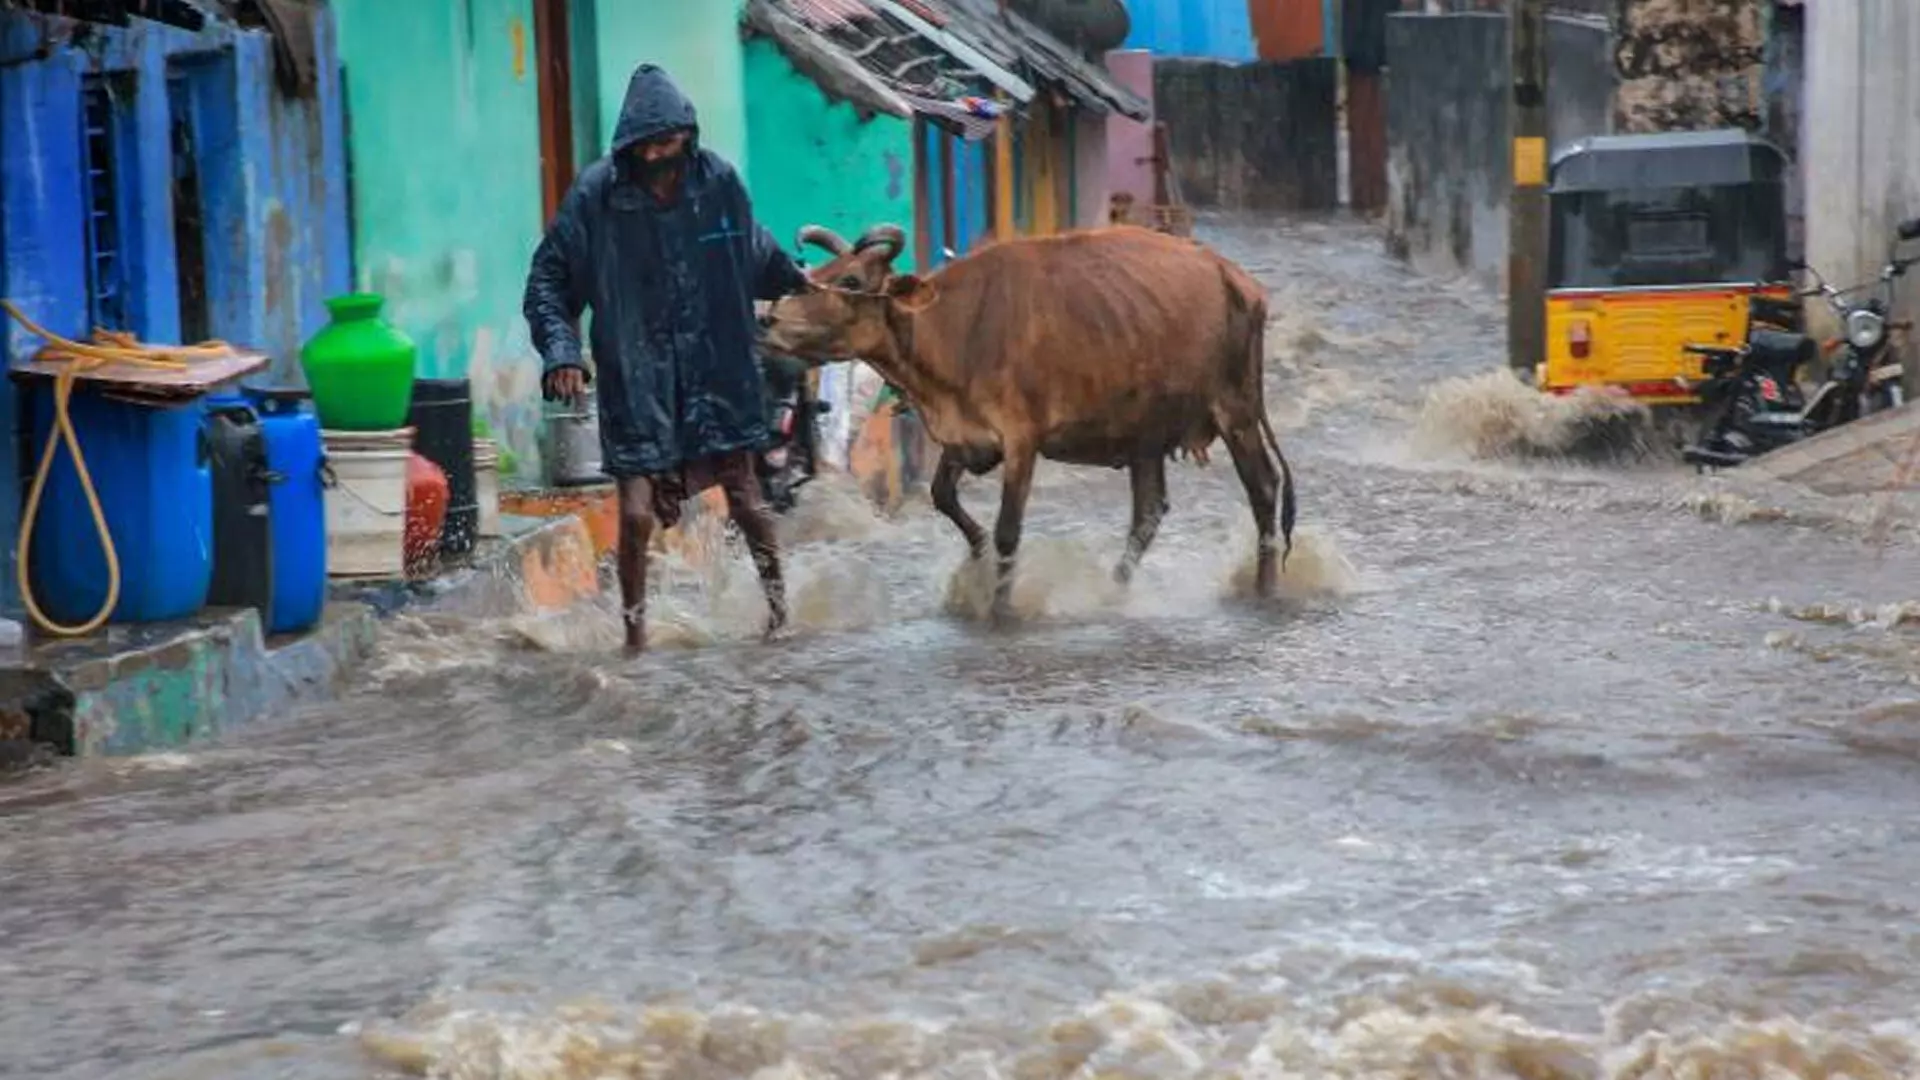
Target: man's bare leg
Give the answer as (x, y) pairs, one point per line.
(755, 521)
(637, 525)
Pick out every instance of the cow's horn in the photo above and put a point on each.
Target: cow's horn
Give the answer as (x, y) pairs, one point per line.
(892, 237)
(825, 238)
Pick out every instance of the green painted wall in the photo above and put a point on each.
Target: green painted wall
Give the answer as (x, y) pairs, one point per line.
(818, 161)
(698, 43)
(445, 150)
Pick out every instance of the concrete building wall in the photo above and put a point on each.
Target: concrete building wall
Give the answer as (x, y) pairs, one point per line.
(1092, 186)
(1256, 136)
(1784, 86)
(698, 43)
(1861, 144)
(447, 195)
(820, 162)
(1448, 168)
(271, 167)
(1130, 142)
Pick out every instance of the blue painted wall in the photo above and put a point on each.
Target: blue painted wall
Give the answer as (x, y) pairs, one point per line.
(274, 203)
(1215, 29)
(972, 166)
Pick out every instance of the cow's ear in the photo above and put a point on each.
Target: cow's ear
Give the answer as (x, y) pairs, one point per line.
(911, 291)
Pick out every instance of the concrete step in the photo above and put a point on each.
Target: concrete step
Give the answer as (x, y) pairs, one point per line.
(1862, 458)
(135, 689)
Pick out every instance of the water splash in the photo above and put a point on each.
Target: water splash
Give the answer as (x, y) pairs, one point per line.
(1495, 416)
(1054, 577)
(1317, 569)
(1194, 1031)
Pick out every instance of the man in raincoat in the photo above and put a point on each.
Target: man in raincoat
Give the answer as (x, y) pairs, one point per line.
(659, 240)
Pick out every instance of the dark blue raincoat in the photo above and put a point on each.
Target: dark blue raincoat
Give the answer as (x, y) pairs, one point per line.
(672, 291)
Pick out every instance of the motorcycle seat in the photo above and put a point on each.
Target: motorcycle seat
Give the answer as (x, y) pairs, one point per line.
(1780, 351)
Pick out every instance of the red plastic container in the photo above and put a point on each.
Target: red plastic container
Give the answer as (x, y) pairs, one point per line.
(427, 495)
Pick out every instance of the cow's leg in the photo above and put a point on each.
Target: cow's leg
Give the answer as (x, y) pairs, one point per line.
(1016, 483)
(946, 499)
(1149, 476)
(1262, 481)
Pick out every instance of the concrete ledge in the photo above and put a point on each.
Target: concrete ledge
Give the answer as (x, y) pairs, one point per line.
(134, 689)
(146, 688)
(542, 563)
(1861, 458)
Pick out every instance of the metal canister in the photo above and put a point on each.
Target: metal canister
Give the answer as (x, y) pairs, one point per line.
(573, 442)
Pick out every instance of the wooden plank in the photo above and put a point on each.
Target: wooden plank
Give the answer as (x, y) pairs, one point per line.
(141, 381)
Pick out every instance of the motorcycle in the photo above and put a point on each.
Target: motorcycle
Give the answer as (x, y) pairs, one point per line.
(1753, 393)
(792, 460)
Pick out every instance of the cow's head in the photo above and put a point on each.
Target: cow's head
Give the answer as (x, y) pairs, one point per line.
(862, 266)
(829, 323)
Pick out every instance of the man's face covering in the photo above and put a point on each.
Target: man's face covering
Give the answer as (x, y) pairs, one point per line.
(662, 158)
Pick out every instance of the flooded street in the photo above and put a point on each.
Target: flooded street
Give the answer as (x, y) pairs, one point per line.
(1539, 771)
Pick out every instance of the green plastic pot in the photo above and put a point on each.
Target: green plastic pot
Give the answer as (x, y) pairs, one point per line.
(359, 368)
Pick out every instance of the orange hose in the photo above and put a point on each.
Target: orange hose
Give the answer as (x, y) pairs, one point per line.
(107, 347)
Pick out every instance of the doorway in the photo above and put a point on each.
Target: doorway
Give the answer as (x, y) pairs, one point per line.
(553, 52)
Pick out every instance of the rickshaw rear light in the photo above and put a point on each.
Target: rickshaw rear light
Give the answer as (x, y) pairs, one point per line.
(1579, 340)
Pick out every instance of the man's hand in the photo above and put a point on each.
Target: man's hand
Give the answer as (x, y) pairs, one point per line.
(567, 384)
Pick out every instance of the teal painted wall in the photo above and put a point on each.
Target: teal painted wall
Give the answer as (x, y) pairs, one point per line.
(445, 151)
(698, 43)
(817, 161)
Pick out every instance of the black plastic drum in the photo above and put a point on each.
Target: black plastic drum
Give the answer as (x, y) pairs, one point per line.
(442, 419)
(236, 447)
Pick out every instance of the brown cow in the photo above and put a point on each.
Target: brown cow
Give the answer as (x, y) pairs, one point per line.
(864, 265)
(1117, 347)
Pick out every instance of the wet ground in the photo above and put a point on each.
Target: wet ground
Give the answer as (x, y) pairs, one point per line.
(1538, 771)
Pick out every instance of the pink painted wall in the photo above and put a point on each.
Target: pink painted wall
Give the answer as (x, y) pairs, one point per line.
(1090, 175)
(1129, 142)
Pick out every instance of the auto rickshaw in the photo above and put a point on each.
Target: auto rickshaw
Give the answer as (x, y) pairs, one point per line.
(1656, 242)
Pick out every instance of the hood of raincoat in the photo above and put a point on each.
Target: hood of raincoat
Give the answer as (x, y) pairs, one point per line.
(671, 286)
(654, 106)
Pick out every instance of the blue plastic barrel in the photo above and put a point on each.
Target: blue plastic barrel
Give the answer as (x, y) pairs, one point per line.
(156, 490)
(297, 506)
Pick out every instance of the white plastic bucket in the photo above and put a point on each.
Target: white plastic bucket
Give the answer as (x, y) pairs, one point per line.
(367, 502)
(486, 485)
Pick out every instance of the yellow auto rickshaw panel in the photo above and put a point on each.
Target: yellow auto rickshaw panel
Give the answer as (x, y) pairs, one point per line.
(1637, 338)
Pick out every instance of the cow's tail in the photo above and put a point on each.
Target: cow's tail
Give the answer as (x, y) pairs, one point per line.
(1255, 309)
(1287, 504)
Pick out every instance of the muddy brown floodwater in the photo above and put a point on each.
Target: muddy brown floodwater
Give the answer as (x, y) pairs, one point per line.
(1539, 771)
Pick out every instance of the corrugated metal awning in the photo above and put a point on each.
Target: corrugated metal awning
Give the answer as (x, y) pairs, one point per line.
(1024, 45)
(929, 57)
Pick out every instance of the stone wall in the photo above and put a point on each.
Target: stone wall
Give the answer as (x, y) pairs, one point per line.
(1690, 64)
